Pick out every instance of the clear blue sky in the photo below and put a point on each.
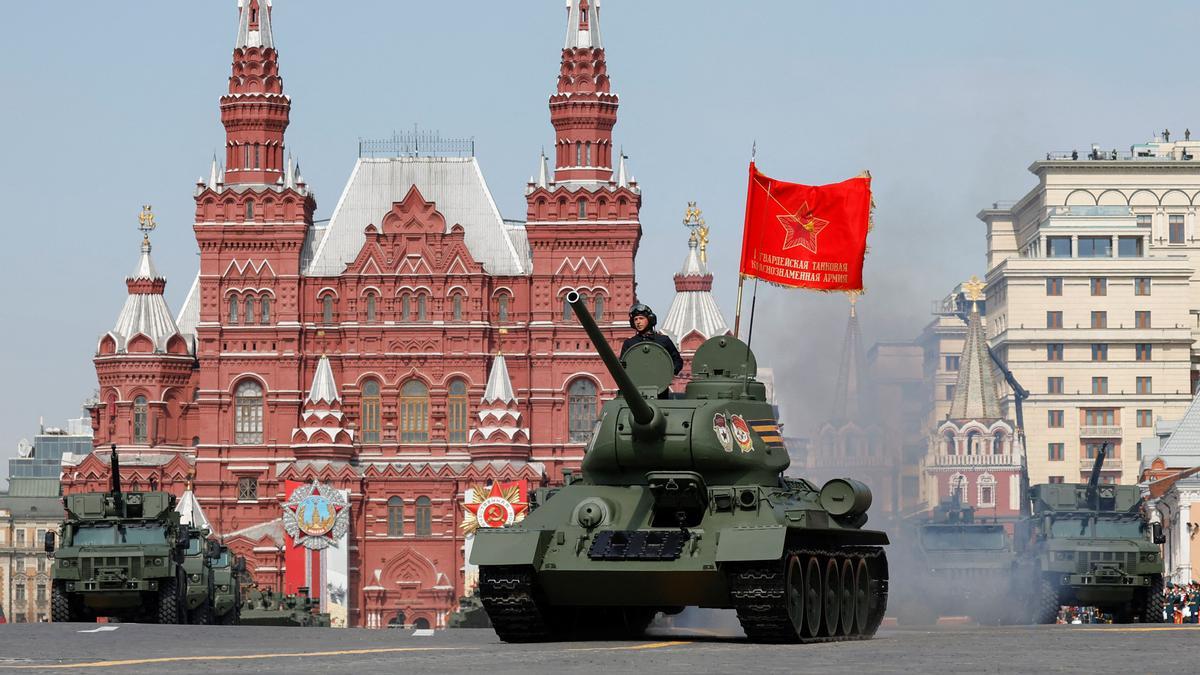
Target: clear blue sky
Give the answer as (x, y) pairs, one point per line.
(110, 105)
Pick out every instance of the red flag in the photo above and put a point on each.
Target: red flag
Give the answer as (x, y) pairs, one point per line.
(804, 235)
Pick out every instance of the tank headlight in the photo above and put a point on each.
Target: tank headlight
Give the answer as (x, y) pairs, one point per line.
(64, 563)
(1149, 557)
(591, 513)
(224, 588)
(196, 578)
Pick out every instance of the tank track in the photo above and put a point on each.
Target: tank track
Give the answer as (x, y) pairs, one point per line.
(759, 595)
(513, 604)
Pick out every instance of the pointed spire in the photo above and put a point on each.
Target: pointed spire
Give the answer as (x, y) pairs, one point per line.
(324, 389)
(499, 385)
(254, 24)
(583, 25)
(145, 268)
(975, 391)
(849, 399)
(621, 179)
(289, 179)
(543, 171)
(214, 174)
(190, 512)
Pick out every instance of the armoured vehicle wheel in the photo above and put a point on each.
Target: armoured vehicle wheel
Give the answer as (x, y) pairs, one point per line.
(812, 584)
(847, 597)
(231, 618)
(1048, 604)
(61, 607)
(1153, 602)
(795, 593)
(833, 592)
(168, 610)
(862, 595)
(202, 615)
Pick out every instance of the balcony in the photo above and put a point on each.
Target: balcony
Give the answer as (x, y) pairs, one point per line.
(949, 461)
(1104, 431)
(1110, 464)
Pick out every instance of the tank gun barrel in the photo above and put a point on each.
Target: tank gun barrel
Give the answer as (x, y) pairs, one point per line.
(1094, 478)
(648, 420)
(114, 479)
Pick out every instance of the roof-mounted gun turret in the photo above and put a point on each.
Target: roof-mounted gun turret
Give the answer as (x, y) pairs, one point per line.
(648, 421)
(114, 482)
(1093, 500)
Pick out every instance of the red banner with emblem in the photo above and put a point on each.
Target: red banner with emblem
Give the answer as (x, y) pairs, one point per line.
(298, 560)
(806, 236)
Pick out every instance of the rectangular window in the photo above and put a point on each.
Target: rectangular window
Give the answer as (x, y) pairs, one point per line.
(41, 592)
(1176, 229)
(19, 594)
(1100, 417)
(1054, 351)
(421, 309)
(21, 538)
(1054, 419)
(1053, 319)
(1145, 418)
(1057, 452)
(567, 314)
(502, 311)
(1141, 319)
(1099, 286)
(1054, 285)
(1099, 385)
(1129, 247)
(247, 489)
(1056, 479)
(1058, 247)
(457, 304)
(1143, 351)
(1099, 351)
(1095, 247)
(1092, 448)
(1145, 220)
(1054, 385)
(949, 392)
(1099, 319)
(953, 362)
(1144, 385)
(1141, 286)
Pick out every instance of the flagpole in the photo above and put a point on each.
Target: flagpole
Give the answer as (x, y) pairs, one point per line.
(753, 300)
(737, 313)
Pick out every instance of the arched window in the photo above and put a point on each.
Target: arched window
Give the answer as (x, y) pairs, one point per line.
(987, 490)
(567, 314)
(248, 318)
(421, 624)
(974, 443)
(370, 412)
(998, 443)
(582, 209)
(578, 153)
(421, 307)
(456, 412)
(370, 308)
(141, 414)
(195, 441)
(502, 307)
(250, 209)
(581, 410)
(233, 309)
(599, 308)
(414, 412)
(395, 517)
(424, 517)
(246, 156)
(587, 154)
(958, 487)
(265, 313)
(248, 413)
(951, 443)
(404, 308)
(327, 308)
(456, 302)
(257, 156)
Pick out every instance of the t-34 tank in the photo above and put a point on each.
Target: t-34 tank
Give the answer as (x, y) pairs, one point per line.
(683, 502)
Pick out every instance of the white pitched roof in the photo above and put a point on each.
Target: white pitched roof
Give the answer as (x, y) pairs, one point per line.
(190, 512)
(144, 313)
(694, 310)
(262, 37)
(499, 385)
(583, 38)
(323, 389)
(454, 184)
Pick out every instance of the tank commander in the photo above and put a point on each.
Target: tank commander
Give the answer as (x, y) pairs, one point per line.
(643, 320)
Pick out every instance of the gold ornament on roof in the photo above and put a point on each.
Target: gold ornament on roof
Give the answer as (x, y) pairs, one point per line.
(693, 218)
(146, 219)
(974, 288)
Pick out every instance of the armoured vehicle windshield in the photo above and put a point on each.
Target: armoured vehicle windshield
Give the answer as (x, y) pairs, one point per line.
(959, 537)
(1104, 527)
(109, 534)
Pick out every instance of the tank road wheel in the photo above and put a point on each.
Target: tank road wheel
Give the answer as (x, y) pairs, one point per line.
(862, 596)
(877, 593)
(1048, 604)
(168, 610)
(795, 593)
(832, 597)
(1153, 602)
(847, 597)
(812, 598)
(62, 610)
(515, 605)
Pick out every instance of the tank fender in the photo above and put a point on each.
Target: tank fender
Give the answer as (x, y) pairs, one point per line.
(761, 542)
(506, 546)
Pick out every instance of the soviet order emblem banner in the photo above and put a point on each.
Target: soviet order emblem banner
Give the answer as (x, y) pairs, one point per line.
(804, 235)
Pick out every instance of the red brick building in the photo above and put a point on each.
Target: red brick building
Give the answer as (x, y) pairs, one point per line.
(412, 346)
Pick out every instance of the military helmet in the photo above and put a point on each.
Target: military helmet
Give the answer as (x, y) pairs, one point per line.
(642, 310)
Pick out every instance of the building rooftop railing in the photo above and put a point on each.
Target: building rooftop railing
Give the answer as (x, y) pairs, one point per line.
(417, 143)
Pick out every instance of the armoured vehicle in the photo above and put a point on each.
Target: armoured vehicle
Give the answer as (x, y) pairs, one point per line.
(682, 502)
(121, 556)
(1092, 546)
(265, 607)
(227, 592)
(960, 567)
(470, 614)
(197, 568)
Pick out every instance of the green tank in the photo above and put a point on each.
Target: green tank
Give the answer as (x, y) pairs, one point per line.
(227, 592)
(683, 502)
(470, 614)
(121, 556)
(265, 607)
(959, 566)
(1092, 546)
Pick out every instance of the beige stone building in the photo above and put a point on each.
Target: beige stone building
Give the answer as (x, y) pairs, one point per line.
(1094, 302)
(24, 565)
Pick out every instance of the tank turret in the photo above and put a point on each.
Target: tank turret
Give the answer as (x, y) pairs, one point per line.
(682, 502)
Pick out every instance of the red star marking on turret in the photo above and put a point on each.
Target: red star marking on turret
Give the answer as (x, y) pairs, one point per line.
(801, 228)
